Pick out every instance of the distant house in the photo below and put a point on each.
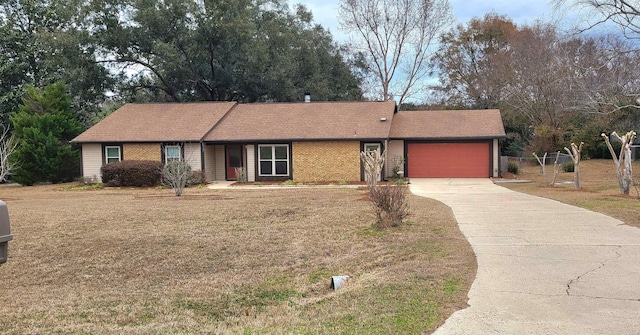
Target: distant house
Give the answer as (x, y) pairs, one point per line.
(304, 142)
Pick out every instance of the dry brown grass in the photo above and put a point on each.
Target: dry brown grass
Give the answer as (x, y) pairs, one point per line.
(599, 191)
(134, 261)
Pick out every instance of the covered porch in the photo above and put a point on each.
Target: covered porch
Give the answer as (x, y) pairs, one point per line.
(221, 160)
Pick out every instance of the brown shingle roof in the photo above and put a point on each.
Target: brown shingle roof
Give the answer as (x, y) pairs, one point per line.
(157, 122)
(305, 121)
(452, 124)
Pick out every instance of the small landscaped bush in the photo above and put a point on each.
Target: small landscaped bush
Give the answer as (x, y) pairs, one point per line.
(568, 166)
(513, 167)
(288, 182)
(400, 181)
(131, 173)
(241, 175)
(390, 205)
(196, 178)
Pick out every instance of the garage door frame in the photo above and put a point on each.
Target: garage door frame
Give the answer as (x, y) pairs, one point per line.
(489, 142)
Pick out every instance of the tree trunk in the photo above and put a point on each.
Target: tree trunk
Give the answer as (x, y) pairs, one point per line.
(575, 153)
(576, 175)
(623, 160)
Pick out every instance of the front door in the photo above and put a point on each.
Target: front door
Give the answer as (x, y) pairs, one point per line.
(234, 160)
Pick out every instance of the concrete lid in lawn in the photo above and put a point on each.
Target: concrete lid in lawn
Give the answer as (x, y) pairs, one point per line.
(544, 267)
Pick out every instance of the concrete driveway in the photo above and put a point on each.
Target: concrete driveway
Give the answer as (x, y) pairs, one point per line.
(543, 267)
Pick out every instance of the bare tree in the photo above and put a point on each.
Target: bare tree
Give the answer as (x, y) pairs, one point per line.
(241, 174)
(556, 169)
(620, 89)
(373, 162)
(623, 160)
(398, 37)
(389, 203)
(8, 145)
(575, 153)
(542, 163)
(176, 175)
(473, 62)
(623, 13)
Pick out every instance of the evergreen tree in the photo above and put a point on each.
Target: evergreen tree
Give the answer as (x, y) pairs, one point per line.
(44, 126)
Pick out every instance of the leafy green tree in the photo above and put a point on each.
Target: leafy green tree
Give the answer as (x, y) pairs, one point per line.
(45, 41)
(242, 50)
(44, 126)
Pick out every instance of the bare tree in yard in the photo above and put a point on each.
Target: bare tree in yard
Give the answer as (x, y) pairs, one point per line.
(241, 174)
(543, 162)
(8, 145)
(556, 169)
(623, 160)
(575, 153)
(473, 62)
(389, 202)
(398, 37)
(176, 174)
(373, 162)
(623, 13)
(617, 76)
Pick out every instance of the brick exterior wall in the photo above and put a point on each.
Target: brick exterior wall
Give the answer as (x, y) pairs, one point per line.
(326, 161)
(142, 151)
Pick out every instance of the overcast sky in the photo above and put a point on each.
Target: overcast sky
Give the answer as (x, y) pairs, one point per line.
(520, 11)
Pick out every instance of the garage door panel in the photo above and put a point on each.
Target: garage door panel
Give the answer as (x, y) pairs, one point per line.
(448, 160)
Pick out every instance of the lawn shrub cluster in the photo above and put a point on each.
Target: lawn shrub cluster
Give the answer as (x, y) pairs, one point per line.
(196, 178)
(132, 173)
(513, 167)
(568, 166)
(390, 204)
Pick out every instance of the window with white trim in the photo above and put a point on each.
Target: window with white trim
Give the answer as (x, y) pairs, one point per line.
(273, 159)
(368, 147)
(112, 154)
(172, 153)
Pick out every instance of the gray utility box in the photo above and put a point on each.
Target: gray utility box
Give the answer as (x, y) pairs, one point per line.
(5, 232)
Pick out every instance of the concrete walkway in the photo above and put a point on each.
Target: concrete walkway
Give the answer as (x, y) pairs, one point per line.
(543, 267)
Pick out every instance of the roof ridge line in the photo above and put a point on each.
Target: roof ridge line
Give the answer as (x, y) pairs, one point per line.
(219, 121)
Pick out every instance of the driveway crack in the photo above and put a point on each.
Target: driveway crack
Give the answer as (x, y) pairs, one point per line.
(603, 264)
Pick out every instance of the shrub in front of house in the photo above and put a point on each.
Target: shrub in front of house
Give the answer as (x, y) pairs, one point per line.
(132, 173)
(513, 167)
(196, 178)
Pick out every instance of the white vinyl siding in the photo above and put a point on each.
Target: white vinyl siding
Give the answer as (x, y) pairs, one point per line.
(192, 156)
(220, 161)
(395, 156)
(251, 163)
(210, 162)
(92, 161)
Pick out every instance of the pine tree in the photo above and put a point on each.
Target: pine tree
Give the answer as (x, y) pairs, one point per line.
(44, 126)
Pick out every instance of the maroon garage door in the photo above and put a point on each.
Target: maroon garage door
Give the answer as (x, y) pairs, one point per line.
(448, 160)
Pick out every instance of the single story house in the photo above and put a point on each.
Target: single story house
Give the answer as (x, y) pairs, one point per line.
(304, 142)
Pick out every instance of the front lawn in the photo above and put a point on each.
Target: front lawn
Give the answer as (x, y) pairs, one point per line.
(599, 191)
(132, 261)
